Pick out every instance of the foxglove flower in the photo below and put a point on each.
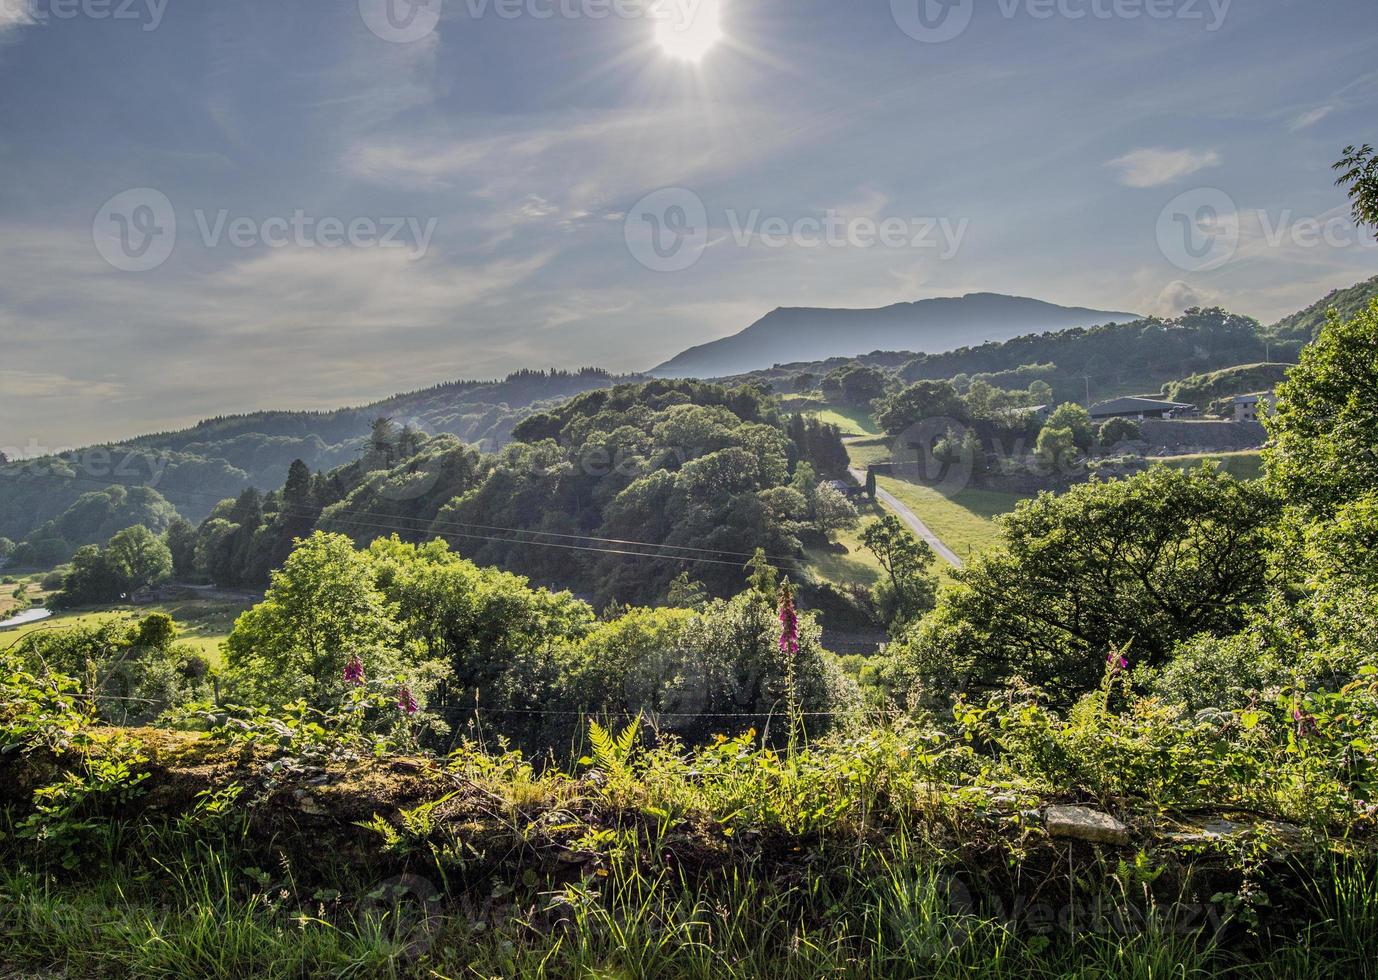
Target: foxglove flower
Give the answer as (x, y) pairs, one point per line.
(354, 672)
(1306, 724)
(1116, 661)
(406, 703)
(789, 622)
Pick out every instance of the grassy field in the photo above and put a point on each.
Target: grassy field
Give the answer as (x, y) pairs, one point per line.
(34, 593)
(201, 623)
(965, 521)
(851, 421)
(864, 452)
(858, 565)
(1242, 466)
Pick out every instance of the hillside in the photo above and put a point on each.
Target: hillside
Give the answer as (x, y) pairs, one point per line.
(481, 413)
(195, 468)
(1301, 327)
(930, 325)
(1115, 359)
(1213, 392)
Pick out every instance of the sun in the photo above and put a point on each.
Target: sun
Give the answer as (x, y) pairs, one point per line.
(689, 29)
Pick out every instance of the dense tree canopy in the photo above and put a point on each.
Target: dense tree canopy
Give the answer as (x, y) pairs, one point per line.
(1324, 448)
(1139, 564)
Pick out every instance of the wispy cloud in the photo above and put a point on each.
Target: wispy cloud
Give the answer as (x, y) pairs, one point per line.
(1155, 167)
(1311, 117)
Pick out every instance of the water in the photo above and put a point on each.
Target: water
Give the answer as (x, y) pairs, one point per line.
(28, 616)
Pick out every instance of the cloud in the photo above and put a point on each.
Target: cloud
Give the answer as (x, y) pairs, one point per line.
(1177, 296)
(13, 16)
(1311, 117)
(593, 163)
(1155, 167)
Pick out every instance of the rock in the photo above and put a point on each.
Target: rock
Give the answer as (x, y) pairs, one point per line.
(1083, 823)
(308, 805)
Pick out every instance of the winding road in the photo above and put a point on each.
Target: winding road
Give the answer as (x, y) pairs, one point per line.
(911, 519)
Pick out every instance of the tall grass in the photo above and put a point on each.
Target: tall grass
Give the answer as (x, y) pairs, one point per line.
(205, 914)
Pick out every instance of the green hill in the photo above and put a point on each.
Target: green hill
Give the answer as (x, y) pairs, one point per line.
(1211, 392)
(1301, 327)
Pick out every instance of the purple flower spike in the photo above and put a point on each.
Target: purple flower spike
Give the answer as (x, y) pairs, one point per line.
(354, 671)
(406, 703)
(789, 622)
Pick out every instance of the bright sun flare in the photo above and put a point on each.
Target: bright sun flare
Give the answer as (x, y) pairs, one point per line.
(689, 29)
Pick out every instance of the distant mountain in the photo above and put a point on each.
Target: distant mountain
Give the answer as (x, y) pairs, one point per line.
(927, 326)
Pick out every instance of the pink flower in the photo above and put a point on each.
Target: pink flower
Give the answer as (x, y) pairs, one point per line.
(1306, 724)
(406, 703)
(1116, 661)
(789, 622)
(354, 671)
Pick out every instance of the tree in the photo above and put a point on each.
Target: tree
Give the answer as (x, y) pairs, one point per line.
(907, 590)
(1116, 431)
(921, 401)
(763, 577)
(1142, 563)
(831, 510)
(322, 609)
(686, 593)
(1055, 449)
(181, 544)
(296, 492)
(91, 580)
(1040, 392)
(1360, 176)
(138, 557)
(1070, 415)
(1323, 449)
(858, 384)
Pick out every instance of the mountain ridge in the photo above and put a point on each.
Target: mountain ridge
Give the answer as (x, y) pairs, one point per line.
(923, 326)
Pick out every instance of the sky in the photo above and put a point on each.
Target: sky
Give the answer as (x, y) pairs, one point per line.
(216, 207)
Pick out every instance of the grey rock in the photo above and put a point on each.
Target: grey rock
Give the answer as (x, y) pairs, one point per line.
(1083, 823)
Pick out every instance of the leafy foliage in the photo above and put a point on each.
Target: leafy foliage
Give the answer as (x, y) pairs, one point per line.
(1142, 563)
(1324, 433)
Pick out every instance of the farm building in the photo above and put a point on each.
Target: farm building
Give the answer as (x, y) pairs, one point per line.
(1142, 408)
